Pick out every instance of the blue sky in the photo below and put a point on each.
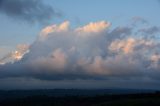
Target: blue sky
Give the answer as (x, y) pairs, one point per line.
(113, 10)
(102, 45)
(80, 12)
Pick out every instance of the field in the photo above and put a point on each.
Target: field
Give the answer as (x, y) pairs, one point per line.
(135, 99)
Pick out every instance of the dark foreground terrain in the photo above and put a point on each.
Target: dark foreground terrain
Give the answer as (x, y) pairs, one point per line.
(70, 99)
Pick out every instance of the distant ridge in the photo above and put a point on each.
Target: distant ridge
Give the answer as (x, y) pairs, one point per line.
(9, 94)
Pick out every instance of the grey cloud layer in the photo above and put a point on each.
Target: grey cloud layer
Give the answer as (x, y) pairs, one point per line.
(28, 10)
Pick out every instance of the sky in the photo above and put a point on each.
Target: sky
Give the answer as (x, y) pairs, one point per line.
(47, 44)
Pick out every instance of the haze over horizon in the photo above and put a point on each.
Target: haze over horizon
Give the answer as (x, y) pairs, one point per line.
(87, 44)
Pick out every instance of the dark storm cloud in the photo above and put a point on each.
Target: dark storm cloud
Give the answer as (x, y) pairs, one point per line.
(28, 10)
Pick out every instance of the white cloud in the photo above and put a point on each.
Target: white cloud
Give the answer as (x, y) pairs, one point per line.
(57, 61)
(126, 45)
(95, 27)
(130, 45)
(155, 58)
(55, 28)
(16, 55)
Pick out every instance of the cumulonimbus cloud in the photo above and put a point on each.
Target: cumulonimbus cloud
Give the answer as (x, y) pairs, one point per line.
(94, 51)
(28, 10)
